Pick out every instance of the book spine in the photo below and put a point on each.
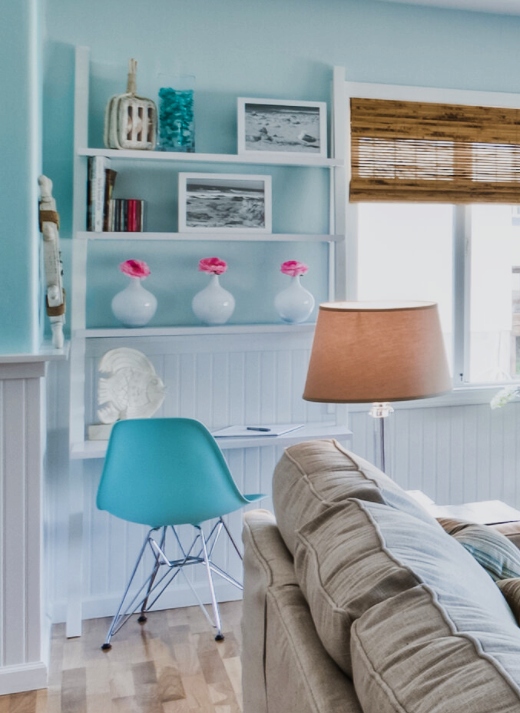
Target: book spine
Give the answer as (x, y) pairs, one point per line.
(117, 215)
(89, 220)
(111, 215)
(110, 180)
(140, 217)
(97, 179)
(124, 215)
(132, 226)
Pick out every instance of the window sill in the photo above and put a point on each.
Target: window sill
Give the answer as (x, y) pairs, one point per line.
(460, 396)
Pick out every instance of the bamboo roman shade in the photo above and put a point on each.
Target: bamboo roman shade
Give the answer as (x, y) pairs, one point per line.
(428, 152)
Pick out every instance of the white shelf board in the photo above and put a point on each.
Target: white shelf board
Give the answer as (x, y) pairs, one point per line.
(194, 331)
(97, 449)
(46, 352)
(172, 156)
(227, 237)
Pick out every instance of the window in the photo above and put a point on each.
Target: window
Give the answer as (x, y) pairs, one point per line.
(405, 252)
(494, 280)
(417, 154)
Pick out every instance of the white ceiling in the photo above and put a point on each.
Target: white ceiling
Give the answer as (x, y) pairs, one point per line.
(507, 7)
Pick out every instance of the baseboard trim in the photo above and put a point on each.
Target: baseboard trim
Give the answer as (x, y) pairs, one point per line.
(180, 596)
(22, 677)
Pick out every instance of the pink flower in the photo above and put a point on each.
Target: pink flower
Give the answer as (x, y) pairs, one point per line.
(135, 268)
(212, 264)
(293, 268)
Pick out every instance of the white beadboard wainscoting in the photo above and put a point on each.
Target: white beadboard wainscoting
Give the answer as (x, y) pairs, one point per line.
(219, 379)
(24, 629)
(454, 453)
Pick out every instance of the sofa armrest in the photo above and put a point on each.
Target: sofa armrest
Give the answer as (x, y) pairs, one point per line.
(284, 665)
(266, 561)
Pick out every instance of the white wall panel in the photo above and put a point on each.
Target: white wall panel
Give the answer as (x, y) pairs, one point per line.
(217, 379)
(23, 651)
(222, 380)
(454, 454)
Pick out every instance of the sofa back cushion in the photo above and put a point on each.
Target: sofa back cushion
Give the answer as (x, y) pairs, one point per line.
(357, 554)
(410, 656)
(312, 476)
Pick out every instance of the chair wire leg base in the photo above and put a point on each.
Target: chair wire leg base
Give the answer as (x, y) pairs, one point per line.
(199, 552)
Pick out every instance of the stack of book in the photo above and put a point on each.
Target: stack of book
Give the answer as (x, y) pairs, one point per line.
(125, 215)
(104, 213)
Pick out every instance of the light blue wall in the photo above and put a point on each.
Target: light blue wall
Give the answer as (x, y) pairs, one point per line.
(20, 151)
(271, 48)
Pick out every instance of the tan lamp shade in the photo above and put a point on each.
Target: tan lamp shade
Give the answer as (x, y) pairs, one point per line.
(377, 352)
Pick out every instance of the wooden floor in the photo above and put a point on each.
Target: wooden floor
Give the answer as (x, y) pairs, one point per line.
(171, 664)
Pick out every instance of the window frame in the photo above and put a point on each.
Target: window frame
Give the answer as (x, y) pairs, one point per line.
(464, 391)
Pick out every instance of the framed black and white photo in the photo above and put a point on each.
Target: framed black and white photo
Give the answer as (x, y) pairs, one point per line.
(222, 203)
(278, 127)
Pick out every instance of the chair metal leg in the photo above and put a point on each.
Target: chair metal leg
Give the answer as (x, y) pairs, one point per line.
(107, 645)
(157, 581)
(142, 617)
(216, 612)
(228, 532)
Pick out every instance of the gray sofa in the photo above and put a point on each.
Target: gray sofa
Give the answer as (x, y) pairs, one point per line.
(356, 599)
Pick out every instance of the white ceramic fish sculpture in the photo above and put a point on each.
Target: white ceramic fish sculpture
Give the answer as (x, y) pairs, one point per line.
(131, 388)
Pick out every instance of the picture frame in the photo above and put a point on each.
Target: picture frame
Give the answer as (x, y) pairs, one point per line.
(279, 127)
(225, 203)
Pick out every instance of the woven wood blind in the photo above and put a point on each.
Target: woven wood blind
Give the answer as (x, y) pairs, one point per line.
(425, 152)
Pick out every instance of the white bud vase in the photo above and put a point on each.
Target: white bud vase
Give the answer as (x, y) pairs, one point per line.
(134, 306)
(295, 303)
(213, 304)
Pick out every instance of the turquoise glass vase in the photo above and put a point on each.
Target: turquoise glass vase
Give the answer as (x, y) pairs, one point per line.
(176, 116)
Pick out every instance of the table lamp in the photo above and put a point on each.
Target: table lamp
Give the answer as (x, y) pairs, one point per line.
(377, 352)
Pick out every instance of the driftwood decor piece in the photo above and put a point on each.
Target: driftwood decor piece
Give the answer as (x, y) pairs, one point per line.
(130, 120)
(55, 294)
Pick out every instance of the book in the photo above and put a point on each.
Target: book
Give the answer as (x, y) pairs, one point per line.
(117, 215)
(125, 215)
(133, 222)
(254, 431)
(97, 166)
(110, 180)
(111, 213)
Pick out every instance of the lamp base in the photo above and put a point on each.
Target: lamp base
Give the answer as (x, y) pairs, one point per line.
(380, 411)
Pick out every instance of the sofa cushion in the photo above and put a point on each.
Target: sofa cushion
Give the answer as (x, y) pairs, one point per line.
(312, 476)
(511, 530)
(357, 554)
(411, 655)
(510, 588)
(499, 557)
(492, 549)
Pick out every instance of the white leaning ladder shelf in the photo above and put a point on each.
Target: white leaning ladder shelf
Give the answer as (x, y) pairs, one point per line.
(85, 341)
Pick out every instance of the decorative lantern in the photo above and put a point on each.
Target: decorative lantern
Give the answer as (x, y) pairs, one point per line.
(130, 120)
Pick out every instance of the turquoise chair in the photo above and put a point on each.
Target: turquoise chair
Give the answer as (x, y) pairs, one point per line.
(165, 472)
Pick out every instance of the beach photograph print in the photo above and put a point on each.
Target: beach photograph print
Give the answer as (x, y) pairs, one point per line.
(224, 203)
(282, 126)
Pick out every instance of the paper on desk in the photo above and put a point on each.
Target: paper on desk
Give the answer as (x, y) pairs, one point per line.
(276, 429)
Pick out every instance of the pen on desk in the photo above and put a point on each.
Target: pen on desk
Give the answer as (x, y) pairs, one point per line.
(253, 428)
